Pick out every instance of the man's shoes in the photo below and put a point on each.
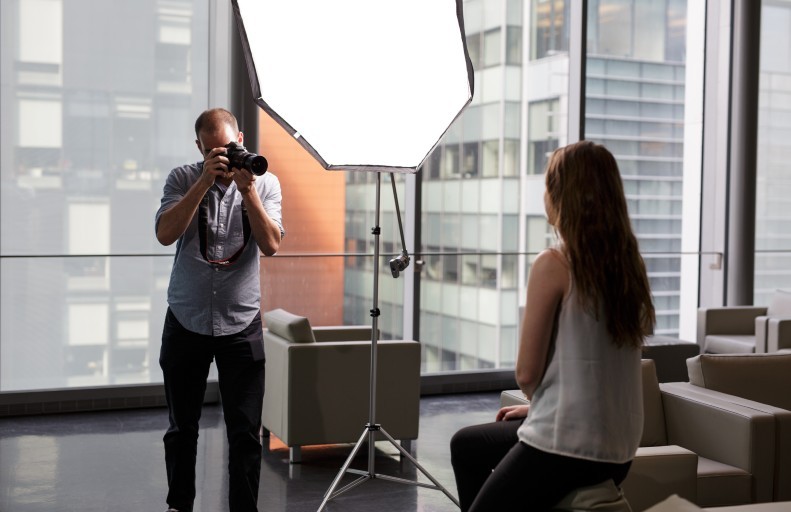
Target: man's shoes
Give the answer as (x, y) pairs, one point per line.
(172, 510)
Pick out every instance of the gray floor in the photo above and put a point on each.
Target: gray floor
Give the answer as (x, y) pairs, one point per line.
(113, 461)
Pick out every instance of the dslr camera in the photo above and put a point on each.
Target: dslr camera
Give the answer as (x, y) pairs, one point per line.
(242, 159)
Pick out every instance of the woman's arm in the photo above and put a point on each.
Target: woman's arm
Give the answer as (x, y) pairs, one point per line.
(547, 285)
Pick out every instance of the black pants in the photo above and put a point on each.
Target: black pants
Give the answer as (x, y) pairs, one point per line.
(524, 478)
(185, 358)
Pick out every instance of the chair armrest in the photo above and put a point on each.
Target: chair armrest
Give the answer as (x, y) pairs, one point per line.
(342, 333)
(717, 429)
(513, 397)
(778, 336)
(727, 320)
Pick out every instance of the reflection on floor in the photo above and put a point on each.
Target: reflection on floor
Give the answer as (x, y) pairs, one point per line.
(91, 462)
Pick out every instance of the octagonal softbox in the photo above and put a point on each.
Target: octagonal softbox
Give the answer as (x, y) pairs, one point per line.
(366, 85)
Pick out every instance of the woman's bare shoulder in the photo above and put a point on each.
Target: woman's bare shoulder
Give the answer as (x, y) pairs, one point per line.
(552, 257)
(552, 270)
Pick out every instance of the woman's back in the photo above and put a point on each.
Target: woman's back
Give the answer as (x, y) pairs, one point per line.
(589, 402)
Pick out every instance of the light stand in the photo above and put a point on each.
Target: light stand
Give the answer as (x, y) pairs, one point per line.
(372, 428)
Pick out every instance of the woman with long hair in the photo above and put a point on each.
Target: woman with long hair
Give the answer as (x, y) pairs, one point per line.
(587, 311)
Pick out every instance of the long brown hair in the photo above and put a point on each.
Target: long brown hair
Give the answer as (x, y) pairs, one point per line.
(586, 204)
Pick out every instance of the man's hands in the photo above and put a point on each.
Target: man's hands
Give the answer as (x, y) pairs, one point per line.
(245, 180)
(512, 412)
(215, 165)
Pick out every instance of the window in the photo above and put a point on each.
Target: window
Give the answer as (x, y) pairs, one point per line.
(92, 123)
(773, 187)
(491, 48)
(549, 28)
(544, 132)
(513, 45)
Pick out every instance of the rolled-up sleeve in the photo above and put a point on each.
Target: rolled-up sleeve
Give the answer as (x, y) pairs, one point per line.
(271, 198)
(176, 187)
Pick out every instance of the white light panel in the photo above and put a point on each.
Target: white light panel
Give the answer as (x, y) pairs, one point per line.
(363, 84)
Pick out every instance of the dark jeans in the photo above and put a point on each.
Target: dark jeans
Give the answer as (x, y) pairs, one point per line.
(524, 478)
(185, 358)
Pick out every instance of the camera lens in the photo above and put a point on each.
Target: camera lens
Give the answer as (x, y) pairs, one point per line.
(240, 158)
(256, 164)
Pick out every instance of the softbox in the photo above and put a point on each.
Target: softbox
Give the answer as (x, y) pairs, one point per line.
(362, 84)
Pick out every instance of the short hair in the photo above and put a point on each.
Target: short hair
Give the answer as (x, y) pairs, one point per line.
(210, 119)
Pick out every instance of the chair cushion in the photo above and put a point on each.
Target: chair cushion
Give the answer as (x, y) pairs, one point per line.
(289, 326)
(720, 484)
(658, 471)
(780, 306)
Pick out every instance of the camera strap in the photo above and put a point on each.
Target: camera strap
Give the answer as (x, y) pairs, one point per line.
(203, 230)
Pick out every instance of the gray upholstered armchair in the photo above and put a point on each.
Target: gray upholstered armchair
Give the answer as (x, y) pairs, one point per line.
(732, 449)
(318, 383)
(707, 450)
(761, 382)
(746, 329)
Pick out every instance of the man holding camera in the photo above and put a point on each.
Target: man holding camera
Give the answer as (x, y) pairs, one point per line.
(221, 215)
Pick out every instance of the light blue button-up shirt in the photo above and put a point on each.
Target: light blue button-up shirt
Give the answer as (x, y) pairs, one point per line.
(207, 298)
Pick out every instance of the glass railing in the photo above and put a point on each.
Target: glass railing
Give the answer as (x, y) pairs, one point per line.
(96, 321)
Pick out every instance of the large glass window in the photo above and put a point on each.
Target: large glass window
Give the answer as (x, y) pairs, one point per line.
(472, 217)
(95, 113)
(635, 106)
(93, 120)
(773, 215)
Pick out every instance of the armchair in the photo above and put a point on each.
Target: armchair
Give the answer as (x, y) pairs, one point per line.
(707, 450)
(318, 383)
(758, 381)
(733, 446)
(746, 329)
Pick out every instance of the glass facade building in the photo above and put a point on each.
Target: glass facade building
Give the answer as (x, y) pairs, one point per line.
(482, 216)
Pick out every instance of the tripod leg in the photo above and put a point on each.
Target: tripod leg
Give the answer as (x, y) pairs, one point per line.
(329, 494)
(414, 461)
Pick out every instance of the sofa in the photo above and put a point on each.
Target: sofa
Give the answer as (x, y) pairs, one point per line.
(761, 382)
(746, 329)
(709, 451)
(318, 383)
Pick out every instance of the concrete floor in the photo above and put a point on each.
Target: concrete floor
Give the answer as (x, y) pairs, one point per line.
(114, 461)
